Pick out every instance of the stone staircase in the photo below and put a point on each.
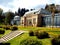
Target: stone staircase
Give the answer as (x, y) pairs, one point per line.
(10, 36)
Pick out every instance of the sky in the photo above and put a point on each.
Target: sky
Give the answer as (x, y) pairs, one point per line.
(13, 5)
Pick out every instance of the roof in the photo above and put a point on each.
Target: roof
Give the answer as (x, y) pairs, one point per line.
(38, 11)
(17, 17)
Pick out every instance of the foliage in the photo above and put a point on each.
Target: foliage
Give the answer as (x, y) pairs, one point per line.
(1, 11)
(22, 11)
(4, 43)
(50, 7)
(7, 28)
(31, 41)
(42, 35)
(0, 26)
(1, 16)
(2, 31)
(13, 28)
(9, 16)
(36, 32)
(56, 40)
(31, 33)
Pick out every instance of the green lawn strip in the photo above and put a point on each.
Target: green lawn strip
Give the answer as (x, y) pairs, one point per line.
(38, 28)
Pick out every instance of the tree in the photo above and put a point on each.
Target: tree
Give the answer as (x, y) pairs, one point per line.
(8, 17)
(46, 6)
(50, 7)
(1, 11)
(1, 16)
(53, 13)
(22, 11)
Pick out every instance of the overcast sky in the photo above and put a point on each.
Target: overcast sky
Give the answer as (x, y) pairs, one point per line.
(13, 5)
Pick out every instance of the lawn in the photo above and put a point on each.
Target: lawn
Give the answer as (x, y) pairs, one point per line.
(24, 36)
(17, 40)
(37, 28)
(52, 32)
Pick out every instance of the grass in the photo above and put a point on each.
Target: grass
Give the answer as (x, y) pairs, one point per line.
(6, 32)
(24, 36)
(37, 28)
(52, 32)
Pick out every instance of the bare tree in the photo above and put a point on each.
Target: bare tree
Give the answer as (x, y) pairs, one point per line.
(53, 14)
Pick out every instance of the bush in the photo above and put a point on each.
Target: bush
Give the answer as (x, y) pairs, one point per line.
(13, 28)
(56, 41)
(4, 43)
(31, 41)
(36, 32)
(42, 35)
(0, 26)
(2, 31)
(7, 28)
(31, 33)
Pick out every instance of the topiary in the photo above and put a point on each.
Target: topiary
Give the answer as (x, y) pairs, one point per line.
(4, 43)
(56, 40)
(31, 41)
(36, 33)
(13, 28)
(7, 28)
(31, 33)
(42, 35)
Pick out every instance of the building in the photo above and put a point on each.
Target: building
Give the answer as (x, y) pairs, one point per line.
(58, 7)
(47, 19)
(16, 20)
(34, 18)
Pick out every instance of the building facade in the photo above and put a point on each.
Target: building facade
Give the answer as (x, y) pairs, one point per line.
(34, 18)
(48, 20)
(40, 18)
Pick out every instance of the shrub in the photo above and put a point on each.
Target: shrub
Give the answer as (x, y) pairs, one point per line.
(7, 28)
(31, 33)
(0, 26)
(4, 43)
(31, 41)
(36, 32)
(2, 31)
(42, 35)
(56, 41)
(13, 28)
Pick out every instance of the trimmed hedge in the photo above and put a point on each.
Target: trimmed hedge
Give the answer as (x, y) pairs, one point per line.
(39, 34)
(4, 43)
(42, 35)
(31, 41)
(31, 33)
(7, 28)
(56, 40)
(13, 28)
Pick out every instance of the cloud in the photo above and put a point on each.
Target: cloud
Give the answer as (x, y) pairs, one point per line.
(15, 4)
(27, 3)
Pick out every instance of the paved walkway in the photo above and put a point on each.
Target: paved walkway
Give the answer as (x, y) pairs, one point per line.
(10, 36)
